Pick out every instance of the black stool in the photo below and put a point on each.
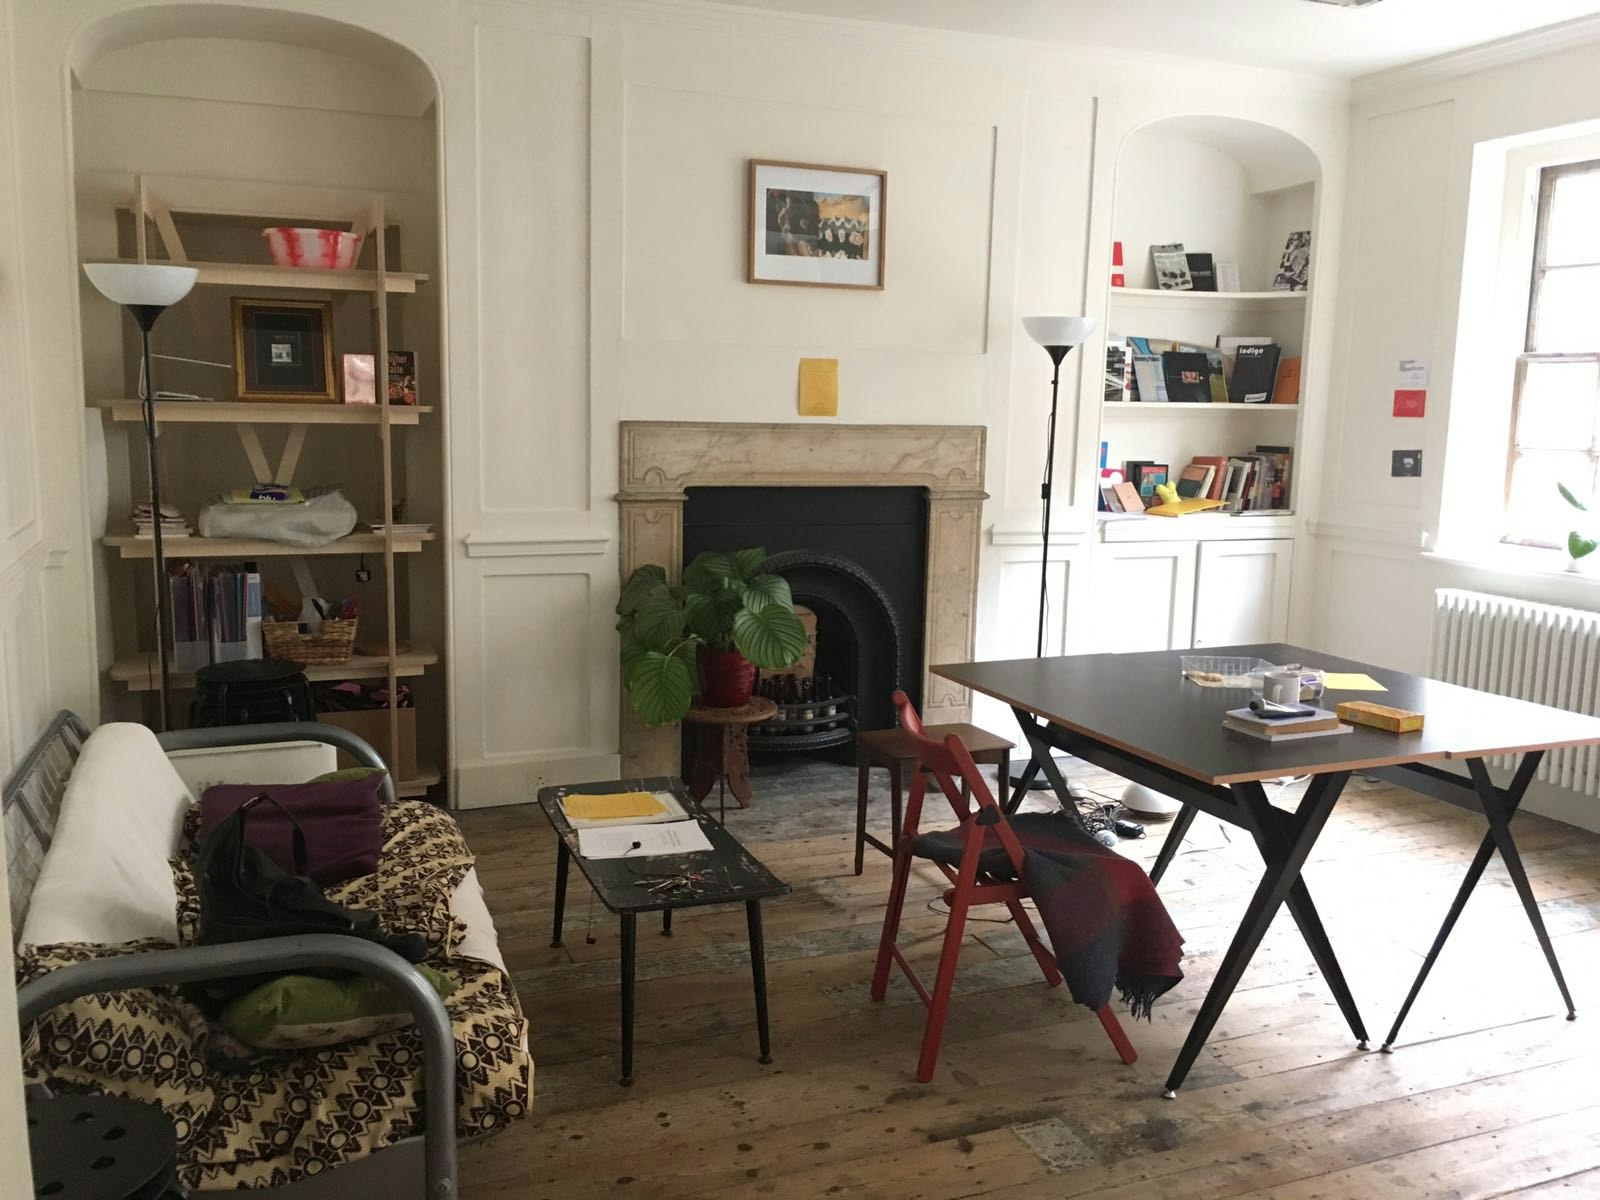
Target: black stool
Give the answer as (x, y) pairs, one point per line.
(252, 692)
(101, 1148)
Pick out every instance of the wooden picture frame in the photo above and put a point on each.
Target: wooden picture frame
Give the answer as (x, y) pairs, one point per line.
(810, 225)
(283, 351)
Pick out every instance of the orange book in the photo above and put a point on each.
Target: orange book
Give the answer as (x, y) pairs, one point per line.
(1221, 465)
(1287, 388)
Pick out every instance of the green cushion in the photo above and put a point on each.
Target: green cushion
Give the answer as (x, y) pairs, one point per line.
(346, 773)
(294, 1012)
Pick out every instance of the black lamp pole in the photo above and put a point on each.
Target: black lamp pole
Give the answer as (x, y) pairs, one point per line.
(145, 315)
(1057, 353)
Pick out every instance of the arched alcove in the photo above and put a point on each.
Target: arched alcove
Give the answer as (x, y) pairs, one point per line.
(233, 119)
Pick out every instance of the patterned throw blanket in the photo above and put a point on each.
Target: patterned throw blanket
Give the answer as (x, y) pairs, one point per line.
(251, 1118)
(1105, 922)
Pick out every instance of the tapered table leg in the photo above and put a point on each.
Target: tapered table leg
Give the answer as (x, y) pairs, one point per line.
(562, 858)
(628, 931)
(1175, 836)
(758, 971)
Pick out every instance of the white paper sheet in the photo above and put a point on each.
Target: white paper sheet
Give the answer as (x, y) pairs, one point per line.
(642, 841)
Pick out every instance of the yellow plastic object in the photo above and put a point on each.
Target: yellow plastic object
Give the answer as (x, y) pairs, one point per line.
(1177, 508)
(1167, 492)
(616, 806)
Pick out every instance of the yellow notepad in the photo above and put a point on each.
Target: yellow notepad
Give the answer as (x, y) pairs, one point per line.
(1353, 681)
(618, 806)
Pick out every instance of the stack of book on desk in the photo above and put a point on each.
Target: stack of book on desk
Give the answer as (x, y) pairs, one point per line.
(1318, 722)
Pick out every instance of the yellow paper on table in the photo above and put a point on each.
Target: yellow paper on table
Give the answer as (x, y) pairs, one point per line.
(618, 806)
(819, 387)
(1353, 681)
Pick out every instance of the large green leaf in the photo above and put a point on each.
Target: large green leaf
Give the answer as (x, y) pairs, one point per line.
(649, 582)
(710, 571)
(1566, 494)
(1579, 546)
(661, 685)
(710, 615)
(748, 561)
(658, 623)
(771, 637)
(767, 589)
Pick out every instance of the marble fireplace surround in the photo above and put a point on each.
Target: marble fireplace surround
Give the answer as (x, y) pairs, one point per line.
(659, 459)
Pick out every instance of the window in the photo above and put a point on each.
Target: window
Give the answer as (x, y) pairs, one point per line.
(1555, 416)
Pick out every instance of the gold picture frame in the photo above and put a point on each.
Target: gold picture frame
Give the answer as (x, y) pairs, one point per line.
(810, 225)
(283, 351)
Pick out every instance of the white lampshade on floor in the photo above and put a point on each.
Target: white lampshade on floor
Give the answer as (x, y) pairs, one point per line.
(153, 284)
(1059, 331)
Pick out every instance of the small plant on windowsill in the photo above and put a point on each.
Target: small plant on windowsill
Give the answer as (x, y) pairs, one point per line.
(721, 623)
(1579, 544)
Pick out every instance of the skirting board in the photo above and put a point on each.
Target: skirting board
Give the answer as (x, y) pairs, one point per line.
(492, 785)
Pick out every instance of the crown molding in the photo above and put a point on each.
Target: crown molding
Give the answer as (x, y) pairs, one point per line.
(1503, 52)
(722, 16)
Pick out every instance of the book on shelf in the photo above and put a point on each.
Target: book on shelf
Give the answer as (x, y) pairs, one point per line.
(1188, 377)
(1148, 378)
(1287, 388)
(1320, 723)
(1254, 369)
(1172, 267)
(1119, 369)
(1227, 277)
(1145, 476)
(1202, 272)
(1228, 345)
(1219, 465)
(1110, 477)
(216, 613)
(1295, 267)
(1194, 481)
(1279, 460)
(1128, 497)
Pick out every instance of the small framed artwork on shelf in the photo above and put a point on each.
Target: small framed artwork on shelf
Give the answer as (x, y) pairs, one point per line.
(816, 226)
(402, 377)
(283, 351)
(360, 379)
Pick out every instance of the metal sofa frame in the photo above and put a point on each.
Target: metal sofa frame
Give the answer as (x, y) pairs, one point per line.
(29, 802)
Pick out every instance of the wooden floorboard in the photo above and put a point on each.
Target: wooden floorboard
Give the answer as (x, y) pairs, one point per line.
(1489, 1093)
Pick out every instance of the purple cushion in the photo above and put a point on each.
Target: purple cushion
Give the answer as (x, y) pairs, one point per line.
(342, 822)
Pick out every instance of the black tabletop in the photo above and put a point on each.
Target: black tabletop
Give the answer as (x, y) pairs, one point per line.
(1141, 703)
(728, 871)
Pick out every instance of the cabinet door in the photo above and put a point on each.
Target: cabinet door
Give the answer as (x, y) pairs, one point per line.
(1242, 594)
(1144, 596)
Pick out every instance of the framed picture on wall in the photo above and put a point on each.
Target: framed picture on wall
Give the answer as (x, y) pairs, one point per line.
(283, 351)
(816, 226)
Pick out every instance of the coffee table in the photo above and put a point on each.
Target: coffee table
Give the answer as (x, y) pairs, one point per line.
(727, 874)
(1134, 715)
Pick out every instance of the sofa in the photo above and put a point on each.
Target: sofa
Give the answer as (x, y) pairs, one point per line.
(99, 871)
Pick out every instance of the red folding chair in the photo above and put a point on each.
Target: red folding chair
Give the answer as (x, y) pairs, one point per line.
(1002, 882)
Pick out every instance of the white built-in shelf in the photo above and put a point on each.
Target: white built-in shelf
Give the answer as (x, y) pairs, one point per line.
(1144, 408)
(132, 546)
(1202, 526)
(1164, 296)
(310, 279)
(142, 673)
(427, 776)
(228, 412)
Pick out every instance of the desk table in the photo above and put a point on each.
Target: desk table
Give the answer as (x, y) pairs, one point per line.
(1135, 715)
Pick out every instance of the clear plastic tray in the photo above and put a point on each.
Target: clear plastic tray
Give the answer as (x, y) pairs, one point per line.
(1219, 671)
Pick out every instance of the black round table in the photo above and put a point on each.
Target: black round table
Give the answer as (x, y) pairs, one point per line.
(101, 1148)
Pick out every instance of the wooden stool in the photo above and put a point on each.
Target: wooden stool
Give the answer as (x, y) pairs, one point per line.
(722, 750)
(892, 750)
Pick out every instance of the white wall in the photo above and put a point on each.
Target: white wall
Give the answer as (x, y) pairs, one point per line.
(1413, 139)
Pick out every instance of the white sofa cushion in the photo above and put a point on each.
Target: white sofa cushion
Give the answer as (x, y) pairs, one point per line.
(106, 878)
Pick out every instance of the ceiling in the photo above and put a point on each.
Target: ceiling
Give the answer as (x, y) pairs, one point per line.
(1294, 34)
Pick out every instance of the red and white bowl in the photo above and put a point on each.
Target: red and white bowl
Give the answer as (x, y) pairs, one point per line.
(329, 249)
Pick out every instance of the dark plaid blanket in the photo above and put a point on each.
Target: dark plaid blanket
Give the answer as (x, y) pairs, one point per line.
(1105, 922)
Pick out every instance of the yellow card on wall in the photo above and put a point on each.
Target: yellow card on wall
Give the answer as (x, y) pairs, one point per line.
(819, 387)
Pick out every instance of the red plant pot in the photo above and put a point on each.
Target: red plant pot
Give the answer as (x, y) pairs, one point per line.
(726, 678)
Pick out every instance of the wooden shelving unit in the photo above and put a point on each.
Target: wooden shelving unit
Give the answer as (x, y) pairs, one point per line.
(399, 657)
(232, 412)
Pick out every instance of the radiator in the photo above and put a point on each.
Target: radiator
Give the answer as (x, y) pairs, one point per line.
(1529, 651)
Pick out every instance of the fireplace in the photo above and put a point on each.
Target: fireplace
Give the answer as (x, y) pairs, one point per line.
(662, 461)
(857, 558)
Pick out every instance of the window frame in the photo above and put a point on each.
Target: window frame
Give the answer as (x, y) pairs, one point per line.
(1548, 177)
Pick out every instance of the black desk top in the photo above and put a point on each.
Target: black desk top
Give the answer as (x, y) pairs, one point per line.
(1140, 703)
(733, 873)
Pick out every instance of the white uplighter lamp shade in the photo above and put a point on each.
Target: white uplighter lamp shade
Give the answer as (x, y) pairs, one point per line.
(155, 285)
(1059, 331)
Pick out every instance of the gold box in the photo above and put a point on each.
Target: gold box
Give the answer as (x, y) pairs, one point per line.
(1380, 716)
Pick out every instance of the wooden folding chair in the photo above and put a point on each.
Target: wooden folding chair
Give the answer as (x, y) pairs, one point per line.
(981, 876)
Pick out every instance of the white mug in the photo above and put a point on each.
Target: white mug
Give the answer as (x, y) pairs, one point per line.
(1281, 687)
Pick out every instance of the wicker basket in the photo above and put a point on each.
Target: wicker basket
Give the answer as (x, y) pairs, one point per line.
(284, 642)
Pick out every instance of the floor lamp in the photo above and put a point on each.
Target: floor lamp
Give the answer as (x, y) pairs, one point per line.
(147, 290)
(1058, 335)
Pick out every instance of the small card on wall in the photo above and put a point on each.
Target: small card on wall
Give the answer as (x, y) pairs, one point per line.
(819, 387)
(1413, 373)
(1410, 402)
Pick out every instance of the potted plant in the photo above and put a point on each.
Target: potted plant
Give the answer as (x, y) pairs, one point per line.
(1579, 545)
(715, 628)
